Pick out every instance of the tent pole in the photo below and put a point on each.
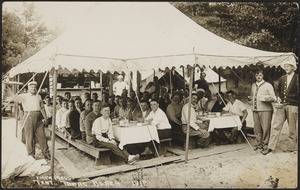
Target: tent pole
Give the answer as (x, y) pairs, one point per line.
(138, 83)
(170, 72)
(189, 115)
(183, 77)
(16, 116)
(110, 84)
(90, 83)
(101, 79)
(53, 122)
(130, 82)
(17, 107)
(219, 79)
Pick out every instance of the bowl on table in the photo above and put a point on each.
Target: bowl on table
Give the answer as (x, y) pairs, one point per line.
(211, 115)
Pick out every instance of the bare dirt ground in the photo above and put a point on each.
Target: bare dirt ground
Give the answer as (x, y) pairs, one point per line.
(237, 169)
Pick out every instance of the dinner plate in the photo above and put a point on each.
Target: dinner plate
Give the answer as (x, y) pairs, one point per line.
(226, 114)
(211, 116)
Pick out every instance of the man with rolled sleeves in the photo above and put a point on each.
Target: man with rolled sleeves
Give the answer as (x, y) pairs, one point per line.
(288, 93)
(35, 113)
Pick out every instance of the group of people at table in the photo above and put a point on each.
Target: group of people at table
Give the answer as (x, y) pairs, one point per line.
(92, 119)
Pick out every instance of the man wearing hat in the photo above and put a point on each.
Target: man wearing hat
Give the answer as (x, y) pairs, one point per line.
(35, 113)
(288, 93)
(119, 86)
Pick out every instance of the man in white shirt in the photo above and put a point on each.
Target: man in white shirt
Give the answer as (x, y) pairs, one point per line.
(196, 127)
(235, 107)
(102, 129)
(119, 86)
(158, 118)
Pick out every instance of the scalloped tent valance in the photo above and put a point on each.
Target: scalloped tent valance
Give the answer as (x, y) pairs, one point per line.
(132, 36)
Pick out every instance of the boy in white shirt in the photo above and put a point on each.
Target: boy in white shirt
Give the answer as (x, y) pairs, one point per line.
(59, 114)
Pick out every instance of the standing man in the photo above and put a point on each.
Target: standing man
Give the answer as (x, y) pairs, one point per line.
(68, 96)
(262, 94)
(94, 97)
(201, 83)
(288, 94)
(119, 86)
(153, 87)
(35, 113)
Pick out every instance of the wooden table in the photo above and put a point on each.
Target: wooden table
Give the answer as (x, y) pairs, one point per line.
(134, 134)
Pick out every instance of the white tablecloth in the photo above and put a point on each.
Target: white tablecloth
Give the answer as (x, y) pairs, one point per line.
(134, 134)
(224, 122)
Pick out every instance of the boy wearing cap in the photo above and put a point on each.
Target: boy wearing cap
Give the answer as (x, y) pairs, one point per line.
(35, 115)
(288, 93)
(119, 86)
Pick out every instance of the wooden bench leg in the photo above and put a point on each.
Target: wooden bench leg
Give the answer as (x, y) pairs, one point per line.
(162, 150)
(104, 159)
(192, 143)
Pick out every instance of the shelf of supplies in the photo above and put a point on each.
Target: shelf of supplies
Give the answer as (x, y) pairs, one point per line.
(77, 89)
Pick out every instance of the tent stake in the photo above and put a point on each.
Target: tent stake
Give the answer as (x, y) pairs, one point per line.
(189, 115)
(53, 122)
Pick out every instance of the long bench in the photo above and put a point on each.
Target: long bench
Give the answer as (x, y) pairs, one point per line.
(162, 149)
(101, 155)
(180, 136)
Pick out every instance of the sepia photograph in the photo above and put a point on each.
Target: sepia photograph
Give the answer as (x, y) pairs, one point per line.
(200, 95)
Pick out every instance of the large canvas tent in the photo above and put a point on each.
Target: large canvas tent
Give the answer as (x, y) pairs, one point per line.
(139, 36)
(131, 36)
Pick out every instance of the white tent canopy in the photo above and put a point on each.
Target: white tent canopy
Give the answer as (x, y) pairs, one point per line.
(130, 36)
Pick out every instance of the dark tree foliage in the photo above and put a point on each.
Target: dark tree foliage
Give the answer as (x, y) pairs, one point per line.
(270, 26)
(22, 36)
